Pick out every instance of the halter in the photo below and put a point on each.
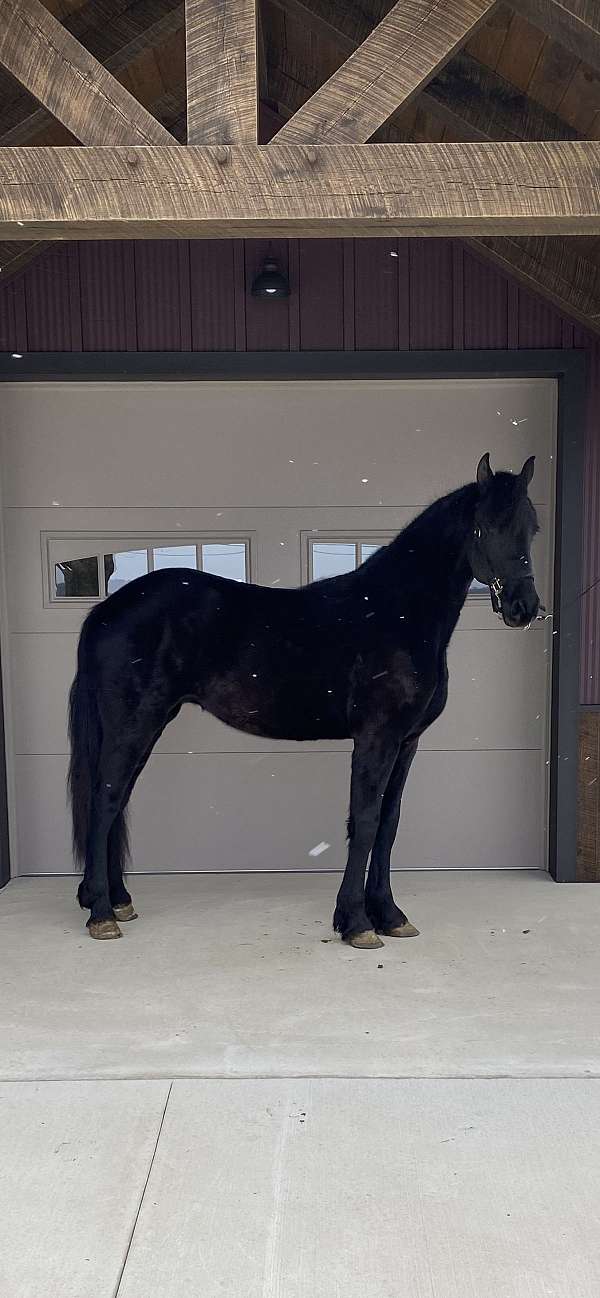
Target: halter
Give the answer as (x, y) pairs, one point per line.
(497, 586)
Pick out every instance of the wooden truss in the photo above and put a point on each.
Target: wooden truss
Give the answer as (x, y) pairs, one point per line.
(129, 178)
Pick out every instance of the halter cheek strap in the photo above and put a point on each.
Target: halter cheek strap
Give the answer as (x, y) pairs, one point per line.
(497, 586)
(494, 583)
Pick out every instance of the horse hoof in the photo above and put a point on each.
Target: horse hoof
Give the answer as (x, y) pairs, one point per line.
(367, 941)
(104, 929)
(125, 913)
(402, 930)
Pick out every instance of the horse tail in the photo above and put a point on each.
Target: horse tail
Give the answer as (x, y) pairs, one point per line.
(85, 737)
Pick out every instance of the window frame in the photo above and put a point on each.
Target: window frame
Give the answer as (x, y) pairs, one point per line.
(101, 543)
(309, 535)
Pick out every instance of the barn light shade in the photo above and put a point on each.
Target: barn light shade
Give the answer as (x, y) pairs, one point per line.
(270, 281)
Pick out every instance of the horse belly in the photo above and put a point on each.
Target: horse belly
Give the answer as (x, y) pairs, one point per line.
(290, 712)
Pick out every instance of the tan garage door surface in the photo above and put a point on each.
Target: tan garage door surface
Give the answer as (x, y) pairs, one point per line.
(272, 462)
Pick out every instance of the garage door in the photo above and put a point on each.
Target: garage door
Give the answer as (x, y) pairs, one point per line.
(268, 482)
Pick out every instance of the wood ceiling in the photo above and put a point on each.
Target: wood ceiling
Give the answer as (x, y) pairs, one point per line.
(520, 77)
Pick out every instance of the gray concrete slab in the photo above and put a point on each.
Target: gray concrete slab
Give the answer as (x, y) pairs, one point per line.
(74, 1158)
(236, 976)
(395, 1189)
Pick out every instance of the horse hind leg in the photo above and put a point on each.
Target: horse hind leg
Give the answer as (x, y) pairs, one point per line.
(94, 891)
(123, 781)
(118, 852)
(102, 889)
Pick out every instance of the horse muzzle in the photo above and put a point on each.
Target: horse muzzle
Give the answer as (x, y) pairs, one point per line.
(521, 608)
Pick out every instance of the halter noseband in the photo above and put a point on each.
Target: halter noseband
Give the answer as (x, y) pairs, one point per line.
(497, 586)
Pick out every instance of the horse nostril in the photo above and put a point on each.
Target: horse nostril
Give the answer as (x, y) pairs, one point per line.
(518, 611)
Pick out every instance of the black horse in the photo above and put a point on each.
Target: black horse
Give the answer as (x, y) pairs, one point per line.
(359, 656)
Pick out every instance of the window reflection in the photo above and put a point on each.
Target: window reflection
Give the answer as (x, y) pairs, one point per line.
(332, 558)
(77, 577)
(174, 556)
(124, 566)
(225, 559)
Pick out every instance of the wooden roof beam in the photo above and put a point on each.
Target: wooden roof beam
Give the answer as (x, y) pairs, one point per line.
(573, 23)
(549, 266)
(43, 56)
(25, 130)
(300, 191)
(222, 71)
(472, 99)
(390, 67)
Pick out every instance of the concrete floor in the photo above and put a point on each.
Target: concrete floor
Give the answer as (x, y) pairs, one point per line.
(228, 1102)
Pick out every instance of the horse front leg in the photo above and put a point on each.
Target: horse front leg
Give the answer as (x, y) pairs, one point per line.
(372, 762)
(385, 916)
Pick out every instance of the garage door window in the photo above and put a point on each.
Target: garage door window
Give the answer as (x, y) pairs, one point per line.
(328, 557)
(106, 566)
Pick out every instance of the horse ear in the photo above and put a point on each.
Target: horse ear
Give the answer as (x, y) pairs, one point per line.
(484, 472)
(527, 471)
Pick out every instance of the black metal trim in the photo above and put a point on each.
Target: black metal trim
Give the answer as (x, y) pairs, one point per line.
(568, 367)
(4, 832)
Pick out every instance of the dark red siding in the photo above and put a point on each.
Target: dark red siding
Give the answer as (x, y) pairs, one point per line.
(368, 294)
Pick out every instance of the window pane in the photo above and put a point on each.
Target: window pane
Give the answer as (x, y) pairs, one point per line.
(367, 550)
(478, 588)
(77, 577)
(331, 558)
(123, 567)
(225, 559)
(175, 556)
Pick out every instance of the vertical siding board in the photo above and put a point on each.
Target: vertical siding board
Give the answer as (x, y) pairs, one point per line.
(157, 296)
(539, 324)
(349, 304)
(239, 294)
(486, 305)
(321, 297)
(49, 326)
(267, 322)
(376, 287)
(185, 294)
(294, 302)
(404, 294)
(513, 302)
(431, 294)
(212, 295)
(107, 287)
(458, 296)
(74, 296)
(13, 315)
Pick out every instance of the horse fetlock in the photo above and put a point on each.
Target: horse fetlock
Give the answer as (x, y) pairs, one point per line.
(384, 913)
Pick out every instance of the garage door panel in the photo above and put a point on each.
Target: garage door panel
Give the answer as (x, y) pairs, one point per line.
(40, 714)
(501, 667)
(454, 817)
(497, 691)
(204, 812)
(277, 555)
(253, 812)
(149, 444)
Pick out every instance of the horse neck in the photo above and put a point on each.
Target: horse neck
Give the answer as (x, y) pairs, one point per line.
(431, 559)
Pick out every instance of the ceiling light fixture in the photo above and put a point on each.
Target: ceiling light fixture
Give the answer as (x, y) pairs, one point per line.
(270, 281)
